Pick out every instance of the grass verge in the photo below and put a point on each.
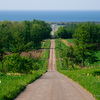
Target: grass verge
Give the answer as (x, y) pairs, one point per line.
(12, 85)
(46, 46)
(87, 78)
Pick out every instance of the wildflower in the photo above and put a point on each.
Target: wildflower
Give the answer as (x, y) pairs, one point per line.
(0, 81)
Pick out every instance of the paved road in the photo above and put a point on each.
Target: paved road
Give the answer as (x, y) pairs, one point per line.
(53, 85)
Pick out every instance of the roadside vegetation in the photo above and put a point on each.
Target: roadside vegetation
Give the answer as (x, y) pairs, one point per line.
(24, 53)
(11, 84)
(81, 61)
(88, 77)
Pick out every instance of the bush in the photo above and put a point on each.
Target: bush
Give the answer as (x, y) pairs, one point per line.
(36, 66)
(17, 64)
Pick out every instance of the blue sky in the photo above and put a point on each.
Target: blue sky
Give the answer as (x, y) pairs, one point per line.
(49, 4)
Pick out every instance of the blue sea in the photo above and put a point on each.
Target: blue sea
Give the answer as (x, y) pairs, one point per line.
(51, 16)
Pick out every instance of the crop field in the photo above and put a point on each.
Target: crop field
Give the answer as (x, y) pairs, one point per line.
(33, 54)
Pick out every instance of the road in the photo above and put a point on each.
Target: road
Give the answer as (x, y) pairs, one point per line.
(54, 85)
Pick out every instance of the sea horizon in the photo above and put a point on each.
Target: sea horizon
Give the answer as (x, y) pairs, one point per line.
(51, 15)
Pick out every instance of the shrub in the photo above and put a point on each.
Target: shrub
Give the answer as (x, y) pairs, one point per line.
(17, 64)
(36, 66)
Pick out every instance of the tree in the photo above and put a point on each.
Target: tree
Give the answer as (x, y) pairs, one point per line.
(70, 28)
(68, 55)
(18, 43)
(36, 35)
(3, 43)
(27, 28)
(3, 40)
(61, 32)
(83, 47)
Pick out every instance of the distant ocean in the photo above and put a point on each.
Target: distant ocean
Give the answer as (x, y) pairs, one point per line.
(51, 16)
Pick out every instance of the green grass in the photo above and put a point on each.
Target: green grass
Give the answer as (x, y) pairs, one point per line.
(57, 48)
(59, 45)
(46, 46)
(89, 78)
(11, 85)
(70, 40)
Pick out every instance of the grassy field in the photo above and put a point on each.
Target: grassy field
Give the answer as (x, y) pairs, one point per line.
(12, 84)
(89, 77)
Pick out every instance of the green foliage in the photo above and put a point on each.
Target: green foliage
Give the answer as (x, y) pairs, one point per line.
(70, 29)
(36, 66)
(20, 36)
(36, 35)
(17, 64)
(67, 31)
(17, 44)
(59, 65)
(68, 55)
(83, 46)
(65, 54)
(61, 32)
(3, 40)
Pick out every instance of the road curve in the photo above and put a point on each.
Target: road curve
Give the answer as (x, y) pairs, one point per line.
(54, 85)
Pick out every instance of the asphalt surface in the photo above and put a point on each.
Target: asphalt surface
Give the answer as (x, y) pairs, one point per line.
(54, 85)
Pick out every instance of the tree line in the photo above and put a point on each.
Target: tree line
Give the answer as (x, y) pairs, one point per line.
(86, 38)
(19, 36)
(66, 31)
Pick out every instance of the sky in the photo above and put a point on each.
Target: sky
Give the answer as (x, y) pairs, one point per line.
(49, 4)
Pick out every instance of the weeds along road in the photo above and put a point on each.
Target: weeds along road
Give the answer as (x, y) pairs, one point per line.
(53, 85)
